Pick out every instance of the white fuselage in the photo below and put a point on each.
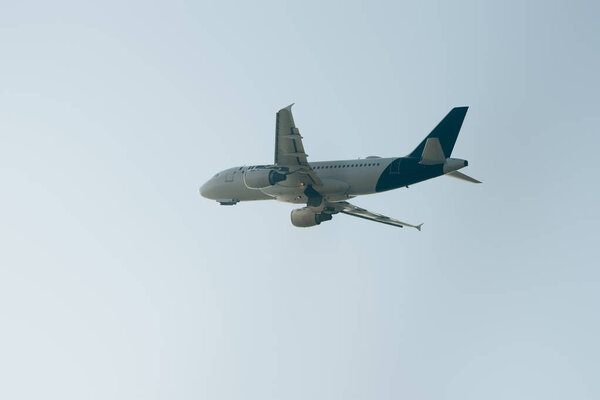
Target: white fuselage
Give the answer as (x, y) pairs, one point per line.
(342, 179)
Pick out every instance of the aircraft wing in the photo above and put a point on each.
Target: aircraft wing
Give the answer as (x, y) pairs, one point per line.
(289, 150)
(350, 209)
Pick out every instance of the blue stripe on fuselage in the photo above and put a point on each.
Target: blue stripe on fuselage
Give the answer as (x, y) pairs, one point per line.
(406, 171)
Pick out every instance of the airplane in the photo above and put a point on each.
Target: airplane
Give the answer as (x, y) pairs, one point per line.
(325, 186)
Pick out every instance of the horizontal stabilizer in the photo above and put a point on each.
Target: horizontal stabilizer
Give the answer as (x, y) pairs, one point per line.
(460, 175)
(432, 153)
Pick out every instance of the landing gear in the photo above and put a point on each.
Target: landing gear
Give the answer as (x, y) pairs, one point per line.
(314, 198)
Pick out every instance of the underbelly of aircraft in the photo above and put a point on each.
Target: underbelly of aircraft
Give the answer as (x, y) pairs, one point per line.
(331, 190)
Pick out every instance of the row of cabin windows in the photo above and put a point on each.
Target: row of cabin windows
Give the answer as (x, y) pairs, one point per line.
(346, 166)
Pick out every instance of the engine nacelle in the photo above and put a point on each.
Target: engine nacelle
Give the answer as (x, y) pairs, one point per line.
(306, 217)
(262, 178)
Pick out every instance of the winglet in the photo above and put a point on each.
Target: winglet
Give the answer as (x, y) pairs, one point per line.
(289, 108)
(419, 227)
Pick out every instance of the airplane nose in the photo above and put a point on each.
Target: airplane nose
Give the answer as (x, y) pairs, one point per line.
(208, 190)
(203, 190)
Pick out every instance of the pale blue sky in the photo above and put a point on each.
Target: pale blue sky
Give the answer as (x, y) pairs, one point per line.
(117, 280)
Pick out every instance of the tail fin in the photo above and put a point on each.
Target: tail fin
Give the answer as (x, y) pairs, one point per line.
(446, 132)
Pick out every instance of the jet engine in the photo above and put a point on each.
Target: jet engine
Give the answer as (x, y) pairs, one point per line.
(262, 178)
(305, 217)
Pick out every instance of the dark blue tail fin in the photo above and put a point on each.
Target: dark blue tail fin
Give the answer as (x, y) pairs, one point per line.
(446, 131)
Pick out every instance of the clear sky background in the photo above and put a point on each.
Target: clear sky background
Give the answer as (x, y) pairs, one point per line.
(118, 281)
